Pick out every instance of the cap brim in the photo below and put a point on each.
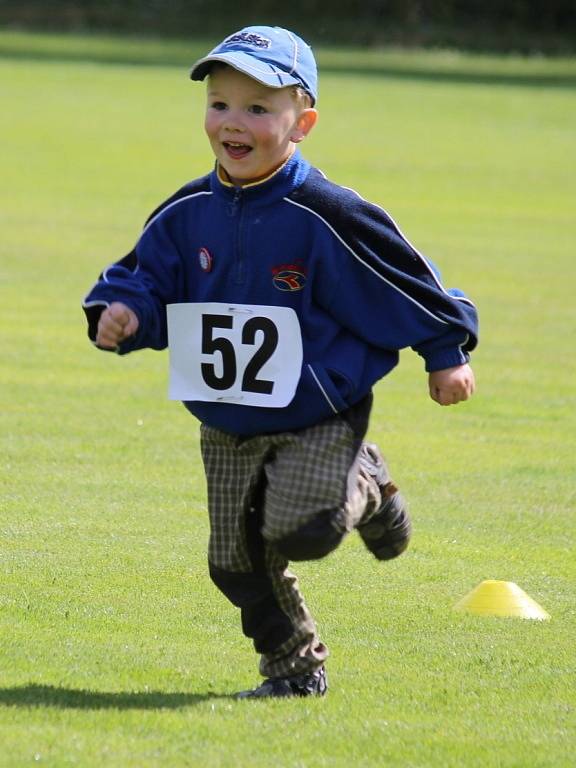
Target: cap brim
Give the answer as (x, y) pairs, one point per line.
(264, 73)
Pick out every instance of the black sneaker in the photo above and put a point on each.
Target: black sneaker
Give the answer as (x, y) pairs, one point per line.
(310, 684)
(387, 532)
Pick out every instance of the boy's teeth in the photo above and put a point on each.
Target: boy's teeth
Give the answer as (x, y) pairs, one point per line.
(236, 149)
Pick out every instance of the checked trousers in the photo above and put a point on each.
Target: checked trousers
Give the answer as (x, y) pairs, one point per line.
(270, 489)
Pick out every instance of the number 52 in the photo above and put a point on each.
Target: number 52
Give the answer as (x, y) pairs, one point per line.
(224, 376)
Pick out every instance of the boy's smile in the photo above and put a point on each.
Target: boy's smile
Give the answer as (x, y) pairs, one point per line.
(236, 151)
(252, 128)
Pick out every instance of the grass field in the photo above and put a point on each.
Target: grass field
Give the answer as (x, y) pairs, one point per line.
(115, 649)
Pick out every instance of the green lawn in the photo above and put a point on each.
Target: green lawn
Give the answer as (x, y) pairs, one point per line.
(115, 649)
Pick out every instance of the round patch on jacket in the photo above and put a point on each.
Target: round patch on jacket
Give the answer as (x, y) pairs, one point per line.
(205, 259)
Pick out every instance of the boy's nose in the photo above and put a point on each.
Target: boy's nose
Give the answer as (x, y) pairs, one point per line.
(233, 122)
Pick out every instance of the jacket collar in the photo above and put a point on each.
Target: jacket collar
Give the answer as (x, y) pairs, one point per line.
(280, 183)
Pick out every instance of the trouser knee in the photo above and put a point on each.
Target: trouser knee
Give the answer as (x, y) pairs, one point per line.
(311, 541)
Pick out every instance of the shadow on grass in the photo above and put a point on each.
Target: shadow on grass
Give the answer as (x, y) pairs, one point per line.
(372, 69)
(70, 698)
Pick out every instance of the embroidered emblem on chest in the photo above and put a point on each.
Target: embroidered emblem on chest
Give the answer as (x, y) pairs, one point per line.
(205, 259)
(289, 277)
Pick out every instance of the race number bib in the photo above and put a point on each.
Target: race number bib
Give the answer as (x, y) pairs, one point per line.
(246, 354)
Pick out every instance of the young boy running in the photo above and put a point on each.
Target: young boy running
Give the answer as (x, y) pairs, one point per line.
(283, 298)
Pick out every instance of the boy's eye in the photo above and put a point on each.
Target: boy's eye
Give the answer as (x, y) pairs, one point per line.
(218, 105)
(258, 109)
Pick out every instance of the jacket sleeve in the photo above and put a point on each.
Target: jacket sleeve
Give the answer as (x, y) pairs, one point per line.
(148, 278)
(384, 290)
(145, 280)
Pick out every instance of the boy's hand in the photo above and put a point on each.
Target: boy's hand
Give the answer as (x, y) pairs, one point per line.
(116, 323)
(451, 385)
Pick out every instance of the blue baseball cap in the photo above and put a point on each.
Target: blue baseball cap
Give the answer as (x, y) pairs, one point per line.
(271, 55)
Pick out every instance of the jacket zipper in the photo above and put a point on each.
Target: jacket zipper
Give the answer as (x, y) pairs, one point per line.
(236, 211)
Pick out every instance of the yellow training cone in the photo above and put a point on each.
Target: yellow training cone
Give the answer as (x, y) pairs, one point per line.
(501, 598)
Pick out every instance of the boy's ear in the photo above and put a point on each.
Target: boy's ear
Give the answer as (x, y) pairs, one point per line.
(304, 124)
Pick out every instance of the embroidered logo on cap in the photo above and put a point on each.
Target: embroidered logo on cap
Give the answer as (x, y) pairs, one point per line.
(205, 259)
(250, 38)
(289, 277)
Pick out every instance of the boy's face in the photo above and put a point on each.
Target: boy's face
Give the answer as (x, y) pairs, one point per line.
(252, 128)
